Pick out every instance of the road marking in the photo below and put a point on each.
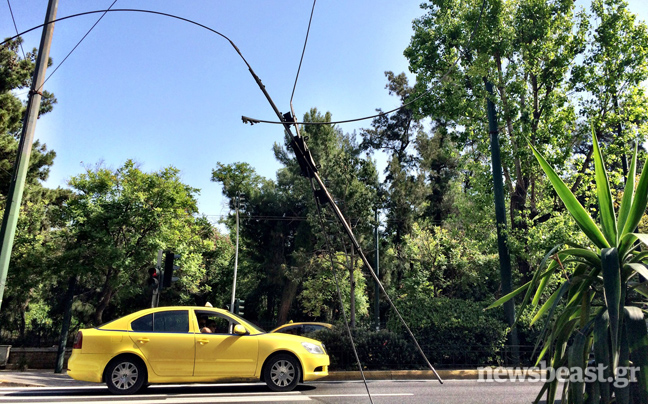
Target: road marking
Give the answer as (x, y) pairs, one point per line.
(166, 399)
(361, 395)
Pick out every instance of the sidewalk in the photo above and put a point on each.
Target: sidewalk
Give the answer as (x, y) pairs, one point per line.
(38, 378)
(47, 377)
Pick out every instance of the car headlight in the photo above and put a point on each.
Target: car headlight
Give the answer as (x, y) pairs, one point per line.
(312, 348)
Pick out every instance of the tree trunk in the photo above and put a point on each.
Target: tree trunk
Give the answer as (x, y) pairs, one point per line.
(519, 224)
(65, 327)
(106, 295)
(519, 193)
(23, 320)
(352, 317)
(287, 297)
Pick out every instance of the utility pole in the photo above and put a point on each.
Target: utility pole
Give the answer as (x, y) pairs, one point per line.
(17, 186)
(500, 216)
(235, 253)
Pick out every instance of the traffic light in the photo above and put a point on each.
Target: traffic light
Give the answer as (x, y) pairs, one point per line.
(238, 306)
(154, 278)
(169, 267)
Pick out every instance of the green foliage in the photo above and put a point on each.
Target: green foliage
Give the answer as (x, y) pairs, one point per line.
(237, 179)
(218, 273)
(550, 63)
(282, 241)
(444, 322)
(446, 263)
(36, 242)
(597, 306)
(118, 219)
(319, 298)
(16, 73)
(376, 349)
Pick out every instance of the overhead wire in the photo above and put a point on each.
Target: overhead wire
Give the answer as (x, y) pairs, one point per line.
(244, 118)
(303, 51)
(309, 170)
(253, 121)
(287, 133)
(15, 27)
(136, 10)
(75, 46)
(326, 234)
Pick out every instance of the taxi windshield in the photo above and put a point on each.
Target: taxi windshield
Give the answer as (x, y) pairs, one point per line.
(242, 320)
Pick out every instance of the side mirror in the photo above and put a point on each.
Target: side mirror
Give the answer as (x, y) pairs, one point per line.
(239, 330)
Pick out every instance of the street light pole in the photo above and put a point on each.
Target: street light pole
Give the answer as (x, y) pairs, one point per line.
(17, 186)
(235, 254)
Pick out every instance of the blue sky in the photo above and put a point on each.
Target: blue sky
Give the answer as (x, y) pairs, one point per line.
(163, 92)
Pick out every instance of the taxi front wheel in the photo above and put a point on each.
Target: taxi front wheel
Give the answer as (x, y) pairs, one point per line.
(125, 375)
(282, 373)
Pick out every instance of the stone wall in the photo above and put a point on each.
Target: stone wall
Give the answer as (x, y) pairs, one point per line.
(35, 358)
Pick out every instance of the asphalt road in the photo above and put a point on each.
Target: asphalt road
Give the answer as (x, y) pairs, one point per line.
(400, 392)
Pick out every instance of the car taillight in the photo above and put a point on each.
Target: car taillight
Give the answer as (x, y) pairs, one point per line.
(78, 341)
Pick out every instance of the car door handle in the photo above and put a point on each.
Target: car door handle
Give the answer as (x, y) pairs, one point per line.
(203, 341)
(143, 340)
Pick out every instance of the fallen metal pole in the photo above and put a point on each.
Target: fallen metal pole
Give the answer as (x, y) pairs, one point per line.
(304, 158)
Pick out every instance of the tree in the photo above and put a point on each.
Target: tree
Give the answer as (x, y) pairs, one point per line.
(280, 229)
(35, 243)
(319, 298)
(267, 241)
(16, 74)
(609, 85)
(397, 135)
(527, 59)
(216, 278)
(531, 51)
(350, 179)
(444, 262)
(117, 220)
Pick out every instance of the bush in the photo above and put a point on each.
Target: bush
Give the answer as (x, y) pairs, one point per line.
(376, 349)
(453, 331)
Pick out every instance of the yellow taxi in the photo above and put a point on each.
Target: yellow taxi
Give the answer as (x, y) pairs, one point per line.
(192, 344)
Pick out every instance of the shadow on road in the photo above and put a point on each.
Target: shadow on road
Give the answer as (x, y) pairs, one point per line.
(154, 390)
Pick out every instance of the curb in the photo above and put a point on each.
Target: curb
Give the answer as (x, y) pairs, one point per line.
(9, 384)
(469, 374)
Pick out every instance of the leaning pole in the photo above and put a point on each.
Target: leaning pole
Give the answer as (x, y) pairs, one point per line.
(17, 185)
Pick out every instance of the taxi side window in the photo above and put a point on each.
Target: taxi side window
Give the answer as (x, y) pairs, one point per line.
(308, 328)
(171, 321)
(143, 323)
(221, 325)
(213, 323)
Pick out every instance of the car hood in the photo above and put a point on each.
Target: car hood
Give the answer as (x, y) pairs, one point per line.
(290, 337)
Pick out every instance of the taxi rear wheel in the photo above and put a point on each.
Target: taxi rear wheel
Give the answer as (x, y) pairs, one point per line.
(125, 375)
(282, 372)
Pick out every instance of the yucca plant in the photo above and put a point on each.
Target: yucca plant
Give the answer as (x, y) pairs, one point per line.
(598, 310)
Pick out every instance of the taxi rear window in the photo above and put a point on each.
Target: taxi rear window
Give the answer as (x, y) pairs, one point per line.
(143, 323)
